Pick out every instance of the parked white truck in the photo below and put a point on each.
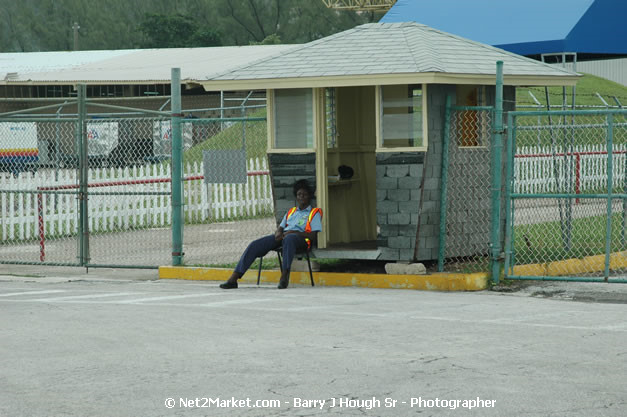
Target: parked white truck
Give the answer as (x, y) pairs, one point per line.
(19, 150)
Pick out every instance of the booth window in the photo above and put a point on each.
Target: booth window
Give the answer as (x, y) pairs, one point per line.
(473, 125)
(402, 116)
(293, 118)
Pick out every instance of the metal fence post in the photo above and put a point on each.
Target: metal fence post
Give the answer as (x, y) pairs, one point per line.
(83, 166)
(610, 179)
(509, 161)
(497, 147)
(624, 191)
(177, 171)
(445, 144)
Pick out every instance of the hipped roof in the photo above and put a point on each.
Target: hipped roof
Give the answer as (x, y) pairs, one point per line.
(388, 53)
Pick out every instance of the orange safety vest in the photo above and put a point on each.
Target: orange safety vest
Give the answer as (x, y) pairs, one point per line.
(312, 213)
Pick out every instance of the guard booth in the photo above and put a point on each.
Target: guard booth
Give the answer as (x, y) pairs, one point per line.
(391, 137)
(373, 98)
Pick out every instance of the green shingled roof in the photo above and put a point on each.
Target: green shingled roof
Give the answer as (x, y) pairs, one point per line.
(389, 48)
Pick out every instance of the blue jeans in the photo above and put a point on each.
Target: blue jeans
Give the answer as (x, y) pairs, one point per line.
(292, 244)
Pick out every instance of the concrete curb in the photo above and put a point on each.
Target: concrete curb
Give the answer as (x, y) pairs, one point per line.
(433, 282)
(576, 266)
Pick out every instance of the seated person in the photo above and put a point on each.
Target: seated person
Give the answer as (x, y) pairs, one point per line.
(297, 232)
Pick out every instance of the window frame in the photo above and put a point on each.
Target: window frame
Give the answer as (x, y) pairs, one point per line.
(271, 124)
(330, 117)
(481, 129)
(379, 123)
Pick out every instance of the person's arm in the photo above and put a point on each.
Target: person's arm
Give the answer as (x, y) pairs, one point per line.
(313, 235)
(278, 234)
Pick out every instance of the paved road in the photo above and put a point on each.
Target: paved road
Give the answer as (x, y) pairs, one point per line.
(216, 243)
(544, 211)
(107, 346)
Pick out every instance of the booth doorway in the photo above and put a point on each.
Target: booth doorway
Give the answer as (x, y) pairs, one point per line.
(350, 140)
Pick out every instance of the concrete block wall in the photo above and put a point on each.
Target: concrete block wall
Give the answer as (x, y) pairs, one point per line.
(285, 170)
(398, 186)
(469, 196)
(429, 230)
(468, 201)
(399, 175)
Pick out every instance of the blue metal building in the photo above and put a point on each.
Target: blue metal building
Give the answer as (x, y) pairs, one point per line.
(590, 28)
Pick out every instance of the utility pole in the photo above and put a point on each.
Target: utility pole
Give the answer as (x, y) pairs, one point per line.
(75, 28)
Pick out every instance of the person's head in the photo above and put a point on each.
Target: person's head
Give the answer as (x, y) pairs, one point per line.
(303, 193)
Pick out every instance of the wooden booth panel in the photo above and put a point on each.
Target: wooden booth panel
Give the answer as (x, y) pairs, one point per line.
(352, 203)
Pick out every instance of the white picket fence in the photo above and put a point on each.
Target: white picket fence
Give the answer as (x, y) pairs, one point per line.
(24, 210)
(585, 169)
(226, 201)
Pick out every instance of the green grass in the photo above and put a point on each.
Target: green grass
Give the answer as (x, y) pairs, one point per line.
(544, 242)
(232, 138)
(587, 86)
(589, 130)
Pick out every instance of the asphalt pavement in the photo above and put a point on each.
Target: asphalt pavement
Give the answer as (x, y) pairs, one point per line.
(123, 343)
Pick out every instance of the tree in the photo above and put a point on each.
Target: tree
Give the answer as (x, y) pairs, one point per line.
(272, 39)
(46, 25)
(205, 37)
(296, 21)
(178, 31)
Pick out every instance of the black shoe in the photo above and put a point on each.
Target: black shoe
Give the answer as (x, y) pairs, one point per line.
(283, 284)
(228, 285)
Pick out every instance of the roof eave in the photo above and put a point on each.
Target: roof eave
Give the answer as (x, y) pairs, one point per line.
(386, 79)
(188, 82)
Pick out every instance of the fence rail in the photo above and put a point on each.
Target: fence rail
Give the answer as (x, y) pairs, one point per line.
(48, 200)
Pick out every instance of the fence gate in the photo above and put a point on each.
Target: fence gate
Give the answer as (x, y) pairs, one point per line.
(228, 203)
(129, 216)
(566, 196)
(85, 189)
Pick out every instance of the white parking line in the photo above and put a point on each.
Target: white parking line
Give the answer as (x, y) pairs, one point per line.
(80, 297)
(95, 298)
(239, 301)
(11, 294)
(170, 297)
(216, 304)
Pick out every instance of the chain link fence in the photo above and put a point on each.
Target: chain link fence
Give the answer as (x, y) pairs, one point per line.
(468, 197)
(129, 191)
(121, 215)
(567, 214)
(126, 200)
(228, 193)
